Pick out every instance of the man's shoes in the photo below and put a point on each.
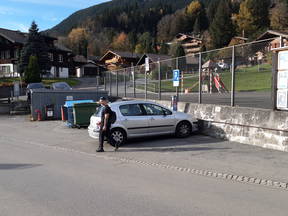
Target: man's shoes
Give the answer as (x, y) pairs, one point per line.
(100, 150)
(116, 147)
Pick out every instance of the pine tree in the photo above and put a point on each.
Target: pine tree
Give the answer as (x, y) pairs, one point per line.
(78, 40)
(211, 11)
(253, 17)
(164, 49)
(222, 29)
(35, 46)
(32, 72)
(145, 43)
(196, 17)
(245, 21)
(179, 23)
(176, 50)
(197, 26)
(260, 11)
(279, 16)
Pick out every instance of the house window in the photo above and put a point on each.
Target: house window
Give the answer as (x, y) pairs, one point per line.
(60, 58)
(51, 57)
(2, 54)
(5, 69)
(16, 53)
(7, 54)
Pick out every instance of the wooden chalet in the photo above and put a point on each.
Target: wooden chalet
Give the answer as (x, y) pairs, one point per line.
(11, 44)
(191, 43)
(238, 40)
(275, 39)
(114, 60)
(87, 67)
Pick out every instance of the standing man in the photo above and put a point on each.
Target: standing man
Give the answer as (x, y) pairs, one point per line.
(104, 124)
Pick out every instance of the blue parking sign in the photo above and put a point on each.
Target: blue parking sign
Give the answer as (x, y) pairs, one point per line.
(176, 78)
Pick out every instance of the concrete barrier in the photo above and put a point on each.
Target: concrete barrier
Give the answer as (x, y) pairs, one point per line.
(260, 127)
(4, 109)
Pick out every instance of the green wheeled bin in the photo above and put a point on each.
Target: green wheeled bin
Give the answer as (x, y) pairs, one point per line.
(82, 113)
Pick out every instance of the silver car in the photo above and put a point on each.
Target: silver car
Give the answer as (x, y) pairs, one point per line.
(61, 86)
(143, 118)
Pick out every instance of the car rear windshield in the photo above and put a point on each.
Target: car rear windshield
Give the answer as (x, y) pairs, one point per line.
(61, 86)
(36, 86)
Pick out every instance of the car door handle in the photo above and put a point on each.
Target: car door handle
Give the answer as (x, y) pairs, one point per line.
(152, 118)
(125, 119)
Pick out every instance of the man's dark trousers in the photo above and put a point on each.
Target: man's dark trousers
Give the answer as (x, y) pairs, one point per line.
(102, 135)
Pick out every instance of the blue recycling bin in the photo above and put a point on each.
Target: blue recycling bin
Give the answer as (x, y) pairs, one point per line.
(70, 114)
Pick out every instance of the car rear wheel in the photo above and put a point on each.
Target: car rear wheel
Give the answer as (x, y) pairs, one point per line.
(118, 137)
(183, 129)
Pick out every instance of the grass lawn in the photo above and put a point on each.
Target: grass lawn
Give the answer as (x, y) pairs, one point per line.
(246, 79)
(48, 82)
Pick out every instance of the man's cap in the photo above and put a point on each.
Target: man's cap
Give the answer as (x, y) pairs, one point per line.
(103, 98)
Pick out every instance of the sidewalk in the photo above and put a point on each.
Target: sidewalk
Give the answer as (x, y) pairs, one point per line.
(196, 152)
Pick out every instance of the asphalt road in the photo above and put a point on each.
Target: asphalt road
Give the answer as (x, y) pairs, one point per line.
(47, 169)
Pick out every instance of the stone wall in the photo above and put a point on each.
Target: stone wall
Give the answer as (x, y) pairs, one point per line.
(260, 127)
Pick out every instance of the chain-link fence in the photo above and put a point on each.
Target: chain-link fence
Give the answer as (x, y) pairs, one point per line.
(239, 75)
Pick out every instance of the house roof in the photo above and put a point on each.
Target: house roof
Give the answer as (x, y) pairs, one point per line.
(80, 59)
(62, 47)
(153, 58)
(94, 58)
(91, 65)
(21, 38)
(14, 36)
(121, 54)
(241, 38)
(187, 36)
(271, 34)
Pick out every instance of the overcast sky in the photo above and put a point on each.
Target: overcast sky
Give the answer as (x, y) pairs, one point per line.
(18, 14)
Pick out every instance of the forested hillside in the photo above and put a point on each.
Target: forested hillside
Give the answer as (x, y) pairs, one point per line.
(147, 25)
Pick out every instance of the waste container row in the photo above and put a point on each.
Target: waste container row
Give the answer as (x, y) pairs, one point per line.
(78, 113)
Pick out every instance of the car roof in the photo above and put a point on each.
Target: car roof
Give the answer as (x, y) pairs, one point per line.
(35, 84)
(119, 103)
(56, 83)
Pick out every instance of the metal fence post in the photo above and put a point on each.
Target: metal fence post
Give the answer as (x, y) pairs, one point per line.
(200, 78)
(97, 84)
(133, 77)
(125, 83)
(110, 81)
(105, 81)
(159, 79)
(145, 84)
(117, 84)
(177, 88)
(233, 78)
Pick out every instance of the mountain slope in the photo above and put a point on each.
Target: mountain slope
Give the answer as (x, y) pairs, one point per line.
(129, 15)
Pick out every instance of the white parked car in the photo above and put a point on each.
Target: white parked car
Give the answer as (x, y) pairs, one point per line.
(143, 118)
(223, 65)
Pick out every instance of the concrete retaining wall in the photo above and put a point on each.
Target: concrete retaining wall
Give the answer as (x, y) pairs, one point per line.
(260, 127)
